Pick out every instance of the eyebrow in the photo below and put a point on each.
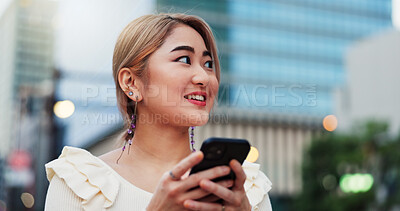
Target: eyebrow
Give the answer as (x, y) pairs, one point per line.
(207, 53)
(191, 49)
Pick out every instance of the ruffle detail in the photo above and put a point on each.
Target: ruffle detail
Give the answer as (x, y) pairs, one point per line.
(257, 184)
(87, 177)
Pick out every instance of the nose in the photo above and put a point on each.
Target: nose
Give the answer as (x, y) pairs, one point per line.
(200, 77)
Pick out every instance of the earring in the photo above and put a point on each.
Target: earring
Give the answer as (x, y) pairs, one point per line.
(130, 92)
(132, 128)
(130, 131)
(191, 138)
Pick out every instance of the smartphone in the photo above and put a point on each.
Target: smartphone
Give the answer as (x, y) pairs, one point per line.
(220, 151)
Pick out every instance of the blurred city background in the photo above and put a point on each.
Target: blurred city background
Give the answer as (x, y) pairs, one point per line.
(312, 84)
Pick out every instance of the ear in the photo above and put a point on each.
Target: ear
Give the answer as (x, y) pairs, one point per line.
(129, 82)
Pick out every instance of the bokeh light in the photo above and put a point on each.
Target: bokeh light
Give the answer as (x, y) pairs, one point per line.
(330, 123)
(356, 183)
(64, 109)
(28, 200)
(329, 182)
(253, 155)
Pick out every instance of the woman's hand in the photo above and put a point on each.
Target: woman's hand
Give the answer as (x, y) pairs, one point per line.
(173, 190)
(234, 199)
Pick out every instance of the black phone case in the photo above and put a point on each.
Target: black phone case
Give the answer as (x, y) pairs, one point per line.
(220, 151)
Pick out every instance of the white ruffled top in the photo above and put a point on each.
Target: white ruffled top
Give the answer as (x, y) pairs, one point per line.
(82, 181)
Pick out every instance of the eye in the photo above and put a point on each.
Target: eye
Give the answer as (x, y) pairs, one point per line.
(183, 59)
(209, 64)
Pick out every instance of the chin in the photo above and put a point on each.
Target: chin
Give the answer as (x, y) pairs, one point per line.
(199, 119)
(191, 119)
(200, 122)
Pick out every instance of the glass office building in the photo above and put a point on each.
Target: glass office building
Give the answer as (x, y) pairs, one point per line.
(285, 57)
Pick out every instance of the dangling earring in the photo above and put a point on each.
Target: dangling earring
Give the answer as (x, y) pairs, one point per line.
(131, 131)
(191, 138)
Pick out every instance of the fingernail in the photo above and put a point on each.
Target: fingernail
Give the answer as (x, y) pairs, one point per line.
(188, 204)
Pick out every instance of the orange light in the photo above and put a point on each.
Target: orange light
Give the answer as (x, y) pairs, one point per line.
(330, 123)
(253, 155)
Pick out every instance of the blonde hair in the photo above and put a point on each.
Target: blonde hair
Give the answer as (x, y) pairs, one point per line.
(140, 38)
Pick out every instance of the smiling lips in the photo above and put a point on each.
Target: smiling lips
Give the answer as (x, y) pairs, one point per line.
(197, 98)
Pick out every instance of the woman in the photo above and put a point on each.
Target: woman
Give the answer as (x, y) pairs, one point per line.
(166, 72)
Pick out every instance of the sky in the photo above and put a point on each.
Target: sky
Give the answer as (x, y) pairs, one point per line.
(87, 31)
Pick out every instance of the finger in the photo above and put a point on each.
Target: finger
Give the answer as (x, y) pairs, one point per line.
(204, 195)
(226, 183)
(184, 165)
(194, 179)
(195, 205)
(218, 190)
(240, 175)
(209, 198)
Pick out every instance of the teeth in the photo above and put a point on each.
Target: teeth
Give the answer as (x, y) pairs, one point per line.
(196, 97)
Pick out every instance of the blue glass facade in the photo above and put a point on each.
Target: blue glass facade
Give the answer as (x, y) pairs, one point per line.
(285, 56)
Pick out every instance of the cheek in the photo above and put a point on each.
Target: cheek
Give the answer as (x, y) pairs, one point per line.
(214, 85)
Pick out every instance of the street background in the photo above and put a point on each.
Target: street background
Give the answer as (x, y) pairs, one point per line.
(313, 85)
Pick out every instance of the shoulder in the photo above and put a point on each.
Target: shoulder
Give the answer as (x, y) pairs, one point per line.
(257, 184)
(86, 176)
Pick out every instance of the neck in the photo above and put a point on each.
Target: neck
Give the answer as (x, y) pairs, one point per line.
(160, 145)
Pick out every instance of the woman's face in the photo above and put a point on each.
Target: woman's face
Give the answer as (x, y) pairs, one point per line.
(182, 83)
